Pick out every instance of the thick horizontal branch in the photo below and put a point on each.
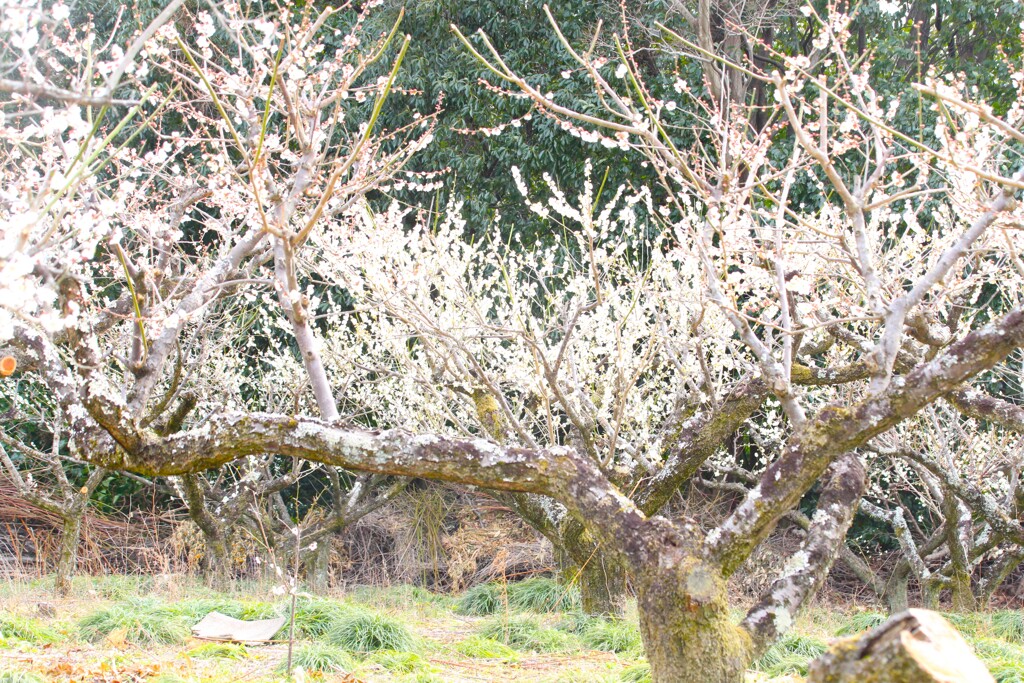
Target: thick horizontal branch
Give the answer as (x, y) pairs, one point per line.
(558, 472)
(981, 406)
(839, 429)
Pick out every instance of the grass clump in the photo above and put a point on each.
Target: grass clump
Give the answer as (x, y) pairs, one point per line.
(143, 621)
(479, 647)
(612, 636)
(526, 633)
(638, 673)
(790, 655)
(360, 631)
(1009, 625)
(543, 595)
(219, 651)
(860, 622)
(399, 662)
(481, 601)
(576, 622)
(16, 676)
(315, 617)
(319, 658)
(13, 627)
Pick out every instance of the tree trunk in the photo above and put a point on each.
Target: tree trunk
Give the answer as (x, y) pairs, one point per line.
(318, 566)
(685, 624)
(217, 561)
(602, 584)
(67, 561)
(896, 589)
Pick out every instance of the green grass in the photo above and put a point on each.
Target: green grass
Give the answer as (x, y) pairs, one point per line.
(479, 647)
(790, 655)
(860, 622)
(576, 622)
(481, 601)
(400, 662)
(15, 676)
(219, 651)
(1004, 660)
(543, 595)
(319, 657)
(144, 621)
(1008, 625)
(522, 632)
(360, 631)
(969, 625)
(612, 635)
(315, 617)
(638, 673)
(13, 627)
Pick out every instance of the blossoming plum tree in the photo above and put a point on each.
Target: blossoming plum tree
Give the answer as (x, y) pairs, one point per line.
(601, 374)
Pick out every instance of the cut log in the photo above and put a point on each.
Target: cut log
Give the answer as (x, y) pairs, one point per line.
(916, 646)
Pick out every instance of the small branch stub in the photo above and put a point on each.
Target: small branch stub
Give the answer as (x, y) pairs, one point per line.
(916, 646)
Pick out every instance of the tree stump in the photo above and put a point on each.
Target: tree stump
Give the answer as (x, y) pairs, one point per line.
(916, 646)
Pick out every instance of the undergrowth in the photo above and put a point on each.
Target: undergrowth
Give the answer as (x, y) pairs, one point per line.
(400, 662)
(360, 631)
(219, 651)
(319, 658)
(14, 627)
(481, 601)
(16, 676)
(1004, 660)
(1008, 625)
(543, 595)
(523, 632)
(791, 654)
(638, 673)
(860, 622)
(612, 635)
(479, 647)
(142, 621)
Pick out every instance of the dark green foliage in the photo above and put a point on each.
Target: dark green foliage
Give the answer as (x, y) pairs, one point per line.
(481, 600)
(523, 632)
(543, 595)
(320, 658)
(360, 631)
(790, 655)
(145, 621)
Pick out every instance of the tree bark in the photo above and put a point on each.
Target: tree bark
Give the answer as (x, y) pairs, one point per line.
(602, 582)
(685, 624)
(67, 561)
